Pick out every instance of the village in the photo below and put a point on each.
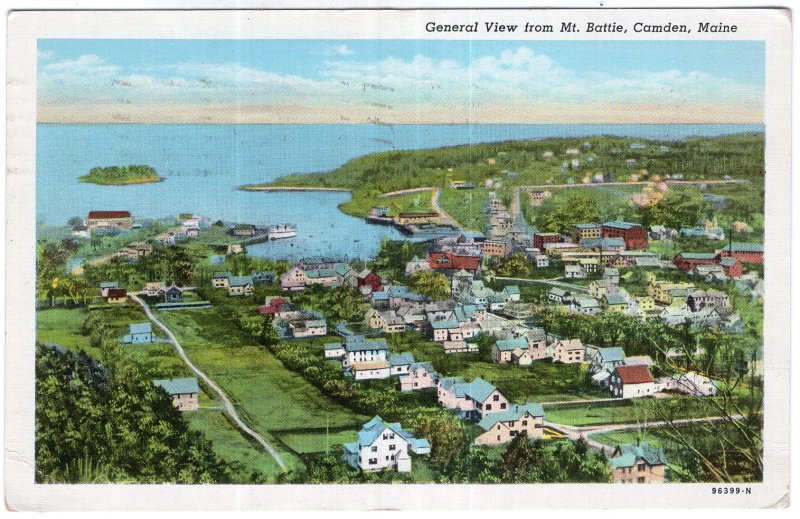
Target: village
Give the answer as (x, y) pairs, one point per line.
(464, 318)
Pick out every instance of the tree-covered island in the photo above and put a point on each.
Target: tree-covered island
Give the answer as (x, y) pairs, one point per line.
(121, 175)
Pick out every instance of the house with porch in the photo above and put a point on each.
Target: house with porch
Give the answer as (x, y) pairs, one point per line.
(380, 445)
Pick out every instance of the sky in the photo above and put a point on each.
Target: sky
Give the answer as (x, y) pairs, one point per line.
(400, 81)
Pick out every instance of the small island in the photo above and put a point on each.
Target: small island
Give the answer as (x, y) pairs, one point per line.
(121, 175)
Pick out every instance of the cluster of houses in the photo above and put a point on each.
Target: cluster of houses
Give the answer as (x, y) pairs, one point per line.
(329, 272)
(365, 358)
(673, 302)
(242, 285)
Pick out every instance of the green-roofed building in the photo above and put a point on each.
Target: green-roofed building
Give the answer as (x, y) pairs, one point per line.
(184, 392)
(502, 427)
(637, 463)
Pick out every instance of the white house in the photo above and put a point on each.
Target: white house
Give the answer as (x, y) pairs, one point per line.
(381, 445)
(632, 382)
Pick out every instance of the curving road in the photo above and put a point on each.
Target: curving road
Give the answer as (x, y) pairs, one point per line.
(210, 383)
(574, 432)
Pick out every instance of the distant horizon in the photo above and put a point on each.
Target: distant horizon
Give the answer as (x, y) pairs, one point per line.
(400, 82)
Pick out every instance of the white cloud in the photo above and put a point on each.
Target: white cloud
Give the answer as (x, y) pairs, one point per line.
(514, 76)
(44, 55)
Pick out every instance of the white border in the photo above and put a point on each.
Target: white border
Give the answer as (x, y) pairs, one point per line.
(24, 28)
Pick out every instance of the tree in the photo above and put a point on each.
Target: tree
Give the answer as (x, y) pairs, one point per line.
(75, 221)
(107, 423)
(520, 456)
(432, 284)
(269, 336)
(516, 265)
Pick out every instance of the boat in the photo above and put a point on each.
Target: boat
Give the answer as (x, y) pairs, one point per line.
(281, 230)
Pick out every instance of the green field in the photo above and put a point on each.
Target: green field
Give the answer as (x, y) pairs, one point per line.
(158, 361)
(318, 440)
(230, 444)
(465, 206)
(269, 397)
(640, 410)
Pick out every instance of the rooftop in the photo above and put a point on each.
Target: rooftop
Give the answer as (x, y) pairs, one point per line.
(514, 412)
(178, 386)
(634, 374)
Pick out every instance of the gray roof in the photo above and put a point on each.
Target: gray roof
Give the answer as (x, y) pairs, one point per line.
(139, 328)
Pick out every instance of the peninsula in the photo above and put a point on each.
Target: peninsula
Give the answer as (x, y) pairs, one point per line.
(121, 175)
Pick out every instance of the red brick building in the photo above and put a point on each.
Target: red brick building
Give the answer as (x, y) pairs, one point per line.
(635, 235)
(539, 239)
(450, 260)
(744, 252)
(687, 261)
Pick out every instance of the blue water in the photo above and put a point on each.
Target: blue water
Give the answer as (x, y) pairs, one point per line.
(204, 164)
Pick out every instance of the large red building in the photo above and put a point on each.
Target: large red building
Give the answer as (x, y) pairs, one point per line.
(687, 261)
(539, 239)
(635, 235)
(450, 260)
(745, 252)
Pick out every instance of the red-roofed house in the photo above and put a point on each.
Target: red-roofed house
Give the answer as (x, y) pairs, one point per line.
(273, 306)
(118, 219)
(117, 296)
(632, 381)
(369, 279)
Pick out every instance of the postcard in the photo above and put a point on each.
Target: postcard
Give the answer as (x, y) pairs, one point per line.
(398, 259)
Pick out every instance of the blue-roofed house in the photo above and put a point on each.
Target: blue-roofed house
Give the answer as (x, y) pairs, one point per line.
(511, 293)
(138, 333)
(605, 360)
(173, 294)
(183, 391)
(637, 463)
(504, 426)
(381, 445)
(240, 286)
(262, 278)
(471, 400)
(400, 363)
(516, 350)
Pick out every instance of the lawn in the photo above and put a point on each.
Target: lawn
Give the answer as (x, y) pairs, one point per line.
(318, 440)
(631, 411)
(231, 445)
(269, 397)
(466, 206)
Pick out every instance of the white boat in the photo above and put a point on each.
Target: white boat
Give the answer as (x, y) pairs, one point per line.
(281, 230)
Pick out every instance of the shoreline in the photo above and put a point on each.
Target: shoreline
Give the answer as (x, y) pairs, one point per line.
(291, 188)
(131, 183)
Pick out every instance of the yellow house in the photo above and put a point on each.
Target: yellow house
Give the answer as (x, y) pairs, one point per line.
(502, 427)
(645, 303)
(615, 303)
(664, 292)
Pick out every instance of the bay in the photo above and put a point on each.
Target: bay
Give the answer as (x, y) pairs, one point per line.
(204, 164)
